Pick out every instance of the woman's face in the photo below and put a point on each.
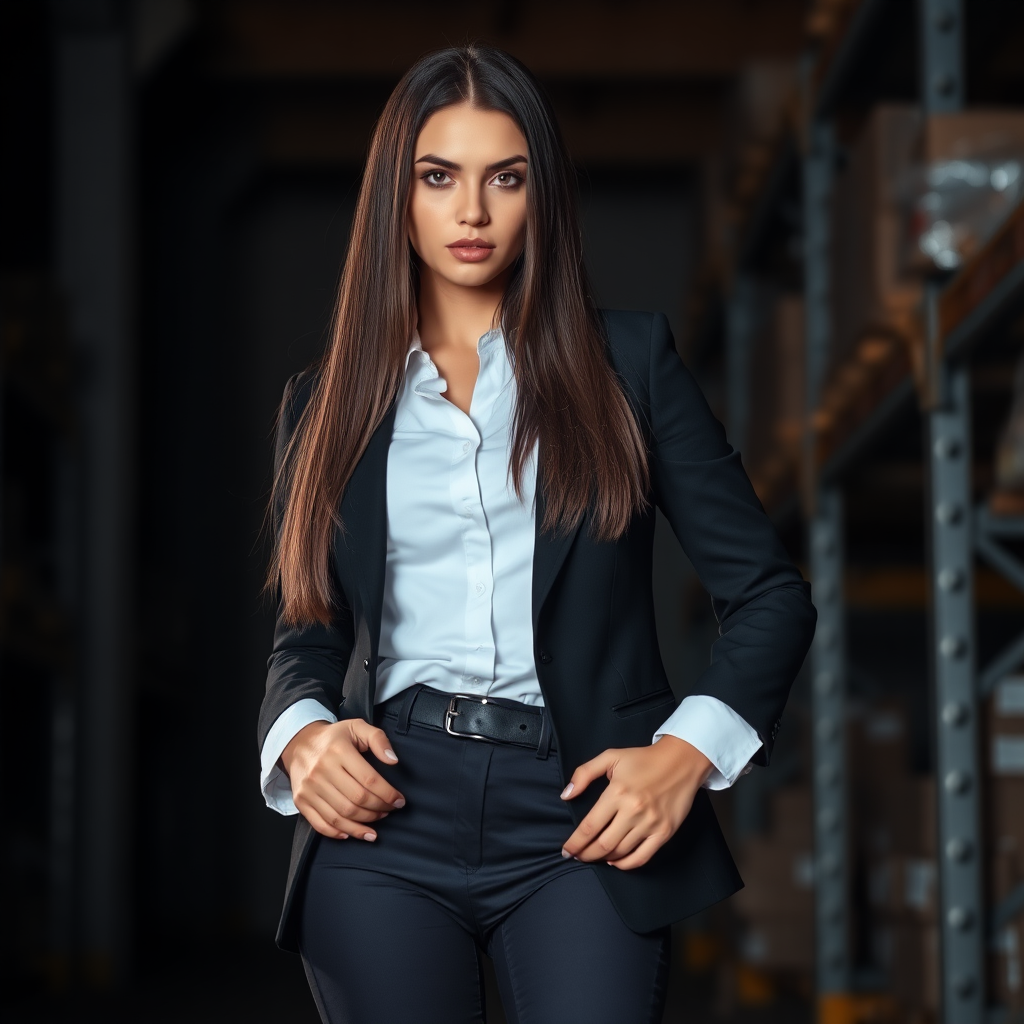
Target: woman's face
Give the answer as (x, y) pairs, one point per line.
(467, 203)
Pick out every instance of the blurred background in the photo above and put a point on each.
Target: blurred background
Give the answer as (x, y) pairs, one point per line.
(824, 196)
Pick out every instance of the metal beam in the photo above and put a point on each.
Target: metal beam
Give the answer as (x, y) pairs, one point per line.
(956, 727)
(828, 716)
(828, 652)
(952, 649)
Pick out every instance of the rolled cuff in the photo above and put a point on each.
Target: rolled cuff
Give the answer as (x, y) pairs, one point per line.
(726, 739)
(276, 786)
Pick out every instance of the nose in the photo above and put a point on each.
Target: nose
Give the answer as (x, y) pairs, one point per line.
(474, 209)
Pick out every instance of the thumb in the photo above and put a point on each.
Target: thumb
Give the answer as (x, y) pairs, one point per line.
(588, 771)
(376, 741)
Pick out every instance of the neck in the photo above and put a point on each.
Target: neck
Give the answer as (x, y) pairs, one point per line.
(452, 315)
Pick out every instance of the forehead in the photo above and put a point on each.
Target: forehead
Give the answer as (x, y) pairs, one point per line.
(468, 136)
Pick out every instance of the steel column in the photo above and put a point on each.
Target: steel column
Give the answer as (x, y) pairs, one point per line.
(826, 569)
(956, 728)
(952, 654)
(828, 714)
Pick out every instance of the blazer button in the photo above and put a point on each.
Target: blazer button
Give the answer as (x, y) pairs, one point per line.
(545, 658)
(366, 664)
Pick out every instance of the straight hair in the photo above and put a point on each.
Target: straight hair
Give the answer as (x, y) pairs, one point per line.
(569, 401)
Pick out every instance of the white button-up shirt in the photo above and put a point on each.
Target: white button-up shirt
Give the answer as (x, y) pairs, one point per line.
(457, 612)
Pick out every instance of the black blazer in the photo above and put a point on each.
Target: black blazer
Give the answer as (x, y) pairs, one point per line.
(595, 644)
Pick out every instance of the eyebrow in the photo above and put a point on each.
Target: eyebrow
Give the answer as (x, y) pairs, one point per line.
(451, 166)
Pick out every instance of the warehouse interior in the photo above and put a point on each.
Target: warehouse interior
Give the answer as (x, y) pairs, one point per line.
(826, 198)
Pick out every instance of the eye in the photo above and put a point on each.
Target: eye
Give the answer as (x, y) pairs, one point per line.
(508, 179)
(436, 179)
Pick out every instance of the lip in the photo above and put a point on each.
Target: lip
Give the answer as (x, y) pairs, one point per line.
(470, 250)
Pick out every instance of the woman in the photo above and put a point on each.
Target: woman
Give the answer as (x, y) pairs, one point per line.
(465, 698)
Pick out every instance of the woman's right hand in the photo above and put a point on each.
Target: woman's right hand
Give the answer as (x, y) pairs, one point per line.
(333, 785)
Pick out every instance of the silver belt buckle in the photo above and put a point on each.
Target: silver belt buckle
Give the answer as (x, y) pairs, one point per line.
(452, 713)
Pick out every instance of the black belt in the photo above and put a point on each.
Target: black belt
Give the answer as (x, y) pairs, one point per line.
(473, 718)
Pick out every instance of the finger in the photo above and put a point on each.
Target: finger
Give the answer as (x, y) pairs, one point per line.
(606, 842)
(317, 821)
(642, 854)
(628, 843)
(367, 780)
(589, 828)
(368, 737)
(588, 771)
(333, 775)
(332, 784)
(358, 794)
(338, 822)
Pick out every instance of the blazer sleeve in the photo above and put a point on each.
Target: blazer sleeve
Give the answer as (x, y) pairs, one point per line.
(762, 603)
(305, 662)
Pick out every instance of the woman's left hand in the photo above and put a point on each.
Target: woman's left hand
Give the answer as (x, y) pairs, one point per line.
(649, 794)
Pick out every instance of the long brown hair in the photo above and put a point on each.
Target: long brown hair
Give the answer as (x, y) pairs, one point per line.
(592, 452)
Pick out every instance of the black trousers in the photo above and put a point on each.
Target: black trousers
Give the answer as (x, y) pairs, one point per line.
(390, 930)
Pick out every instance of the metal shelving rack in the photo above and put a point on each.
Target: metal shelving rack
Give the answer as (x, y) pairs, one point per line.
(956, 532)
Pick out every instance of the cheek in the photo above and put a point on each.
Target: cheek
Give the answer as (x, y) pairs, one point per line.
(424, 221)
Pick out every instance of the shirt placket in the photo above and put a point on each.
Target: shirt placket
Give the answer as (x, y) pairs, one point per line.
(477, 670)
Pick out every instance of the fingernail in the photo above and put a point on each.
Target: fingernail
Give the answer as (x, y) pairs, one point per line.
(565, 792)
(400, 802)
(343, 835)
(566, 854)
(390, 754)
(370, 837)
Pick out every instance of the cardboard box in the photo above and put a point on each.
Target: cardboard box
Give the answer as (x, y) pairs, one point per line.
(1004, 833)
(971, 134)
(792, 816)
(779, 883)
(1004, 786)
(909, 955)
(879, 745)
(872, 296)
(1005, 982)
(904, 888)
(777, 403)
(772, 945)
(900, 818)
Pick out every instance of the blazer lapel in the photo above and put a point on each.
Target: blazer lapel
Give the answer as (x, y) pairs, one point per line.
(363, 541)
(549, 553)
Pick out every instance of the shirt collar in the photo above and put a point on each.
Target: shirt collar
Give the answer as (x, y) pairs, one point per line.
(485, 341)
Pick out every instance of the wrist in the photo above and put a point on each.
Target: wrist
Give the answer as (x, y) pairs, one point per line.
(301, 739)
(691, 762)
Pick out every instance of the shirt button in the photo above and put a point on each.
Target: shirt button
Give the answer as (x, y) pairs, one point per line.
(479, 588)
(465, 448)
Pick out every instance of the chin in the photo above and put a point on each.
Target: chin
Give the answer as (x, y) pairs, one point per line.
(471, 276)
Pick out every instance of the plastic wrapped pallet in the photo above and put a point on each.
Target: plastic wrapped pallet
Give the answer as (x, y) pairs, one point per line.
(967, 177)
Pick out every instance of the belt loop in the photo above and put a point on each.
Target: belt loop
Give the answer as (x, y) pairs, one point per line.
(406, 709)
(544, 743)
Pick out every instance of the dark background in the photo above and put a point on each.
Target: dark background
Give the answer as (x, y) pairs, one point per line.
(177, 187)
